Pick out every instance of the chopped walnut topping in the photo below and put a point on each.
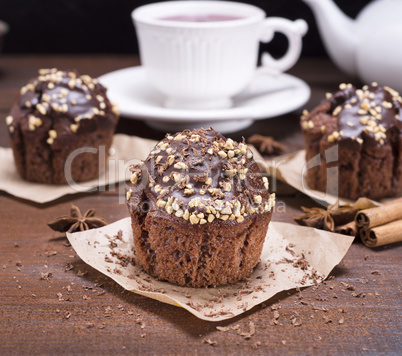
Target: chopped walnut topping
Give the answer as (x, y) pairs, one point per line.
(188, 184)
(50, 92)
(373, 105)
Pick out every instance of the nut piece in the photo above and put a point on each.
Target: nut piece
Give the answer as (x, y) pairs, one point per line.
(257, 199)
(266, 183)
(160, 203)
(74, 128)
(34, 122)
(41, 109)
(222, 154)
(52, 136)
(194, 219)
(52, 133)
(134, 178)
(9, 120)
(179, 213)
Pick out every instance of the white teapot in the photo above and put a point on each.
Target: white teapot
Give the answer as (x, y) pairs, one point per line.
(370, 46)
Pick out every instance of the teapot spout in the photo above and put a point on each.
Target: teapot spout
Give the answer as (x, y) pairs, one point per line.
(338, 33)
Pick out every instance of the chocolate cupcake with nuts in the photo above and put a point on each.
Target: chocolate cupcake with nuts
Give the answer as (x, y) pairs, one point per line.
(56, 114)
(200, 210)
(364, 126)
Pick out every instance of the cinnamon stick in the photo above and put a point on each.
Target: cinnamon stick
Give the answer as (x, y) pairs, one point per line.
(347, 229)
(382, 235)
(381, 215)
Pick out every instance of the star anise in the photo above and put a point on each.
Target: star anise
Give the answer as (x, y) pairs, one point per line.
(316, 217)
(327, 219)
(266, 144)
(76, 221)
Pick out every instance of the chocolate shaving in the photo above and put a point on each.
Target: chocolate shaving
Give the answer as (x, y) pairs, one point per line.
(210, 342)
(348, 286)
(248, 334)
(46, 276)
(68, 267)
(224, 328)
(256, 345)
(295, 319)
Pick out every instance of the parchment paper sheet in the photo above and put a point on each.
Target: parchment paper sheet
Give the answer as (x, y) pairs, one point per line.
(124, 149)
(279, 268)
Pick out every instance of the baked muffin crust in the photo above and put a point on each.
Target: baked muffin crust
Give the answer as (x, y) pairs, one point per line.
(56, 113)
(366, 125)
(197, 192)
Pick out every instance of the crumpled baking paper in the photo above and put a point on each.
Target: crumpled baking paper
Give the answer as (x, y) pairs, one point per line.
(109, 249)
(124, 150)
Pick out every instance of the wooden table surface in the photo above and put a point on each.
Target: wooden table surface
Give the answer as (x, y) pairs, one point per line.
(66, 314)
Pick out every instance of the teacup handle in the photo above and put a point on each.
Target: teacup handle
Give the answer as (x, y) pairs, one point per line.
(294, 31)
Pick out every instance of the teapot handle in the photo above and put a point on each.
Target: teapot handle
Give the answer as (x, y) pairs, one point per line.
(294, 31)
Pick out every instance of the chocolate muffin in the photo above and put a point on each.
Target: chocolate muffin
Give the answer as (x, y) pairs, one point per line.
(56, 114)
(357, 131)
(200, 209)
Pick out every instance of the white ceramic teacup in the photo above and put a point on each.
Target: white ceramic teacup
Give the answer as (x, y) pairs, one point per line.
(201, 63)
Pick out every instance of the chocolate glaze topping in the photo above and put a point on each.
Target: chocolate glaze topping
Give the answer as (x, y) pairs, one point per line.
(362, 115)
(62, 102)
(200, 175)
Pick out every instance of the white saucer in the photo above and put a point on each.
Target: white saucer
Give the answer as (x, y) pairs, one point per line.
(266, 97)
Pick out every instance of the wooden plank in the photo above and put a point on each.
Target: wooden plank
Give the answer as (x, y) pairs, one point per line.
(69, 313)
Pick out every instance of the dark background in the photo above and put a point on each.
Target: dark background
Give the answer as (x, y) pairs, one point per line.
(104, 26)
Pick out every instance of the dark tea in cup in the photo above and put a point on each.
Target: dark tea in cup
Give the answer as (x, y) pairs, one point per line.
(201, 18)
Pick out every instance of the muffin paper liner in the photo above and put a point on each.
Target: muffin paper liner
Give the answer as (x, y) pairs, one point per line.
(293, 256)
(123, 150)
